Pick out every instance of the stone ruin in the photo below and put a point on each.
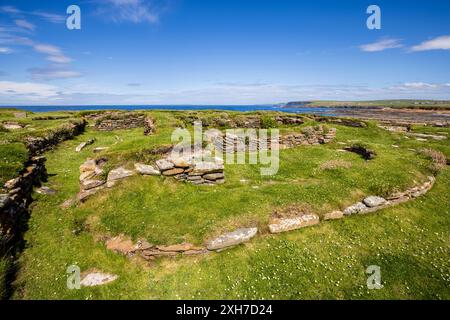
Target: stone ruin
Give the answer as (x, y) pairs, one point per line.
(109, 121)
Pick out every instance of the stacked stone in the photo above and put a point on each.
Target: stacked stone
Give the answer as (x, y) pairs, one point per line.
(127, 122)
(91, 180)
(149, 126)
(15, 197)
(37, 145)
(311, 136)
(195, 172)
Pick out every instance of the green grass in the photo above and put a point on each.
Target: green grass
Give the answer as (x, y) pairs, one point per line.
(410, 242)
(395, 104)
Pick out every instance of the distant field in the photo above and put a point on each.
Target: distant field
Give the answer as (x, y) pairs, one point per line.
(401, 104)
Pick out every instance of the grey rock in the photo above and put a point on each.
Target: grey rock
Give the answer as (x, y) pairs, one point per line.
(97, 279)
(356, 208)
(333, 215)
(119, 173)
(3, 200)
(13, 183)
(146, 169)
(207, 167)
(232, 238)
(288, 224)
(90, 184)
(100, 149)
(213, 176)
(88, 165)
(374, 201)
(46, 191)
(164, 164)
(82, 145)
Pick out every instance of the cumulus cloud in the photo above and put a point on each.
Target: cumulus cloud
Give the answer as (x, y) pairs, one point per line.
(439, 43)
(381, 45)
(25, 24)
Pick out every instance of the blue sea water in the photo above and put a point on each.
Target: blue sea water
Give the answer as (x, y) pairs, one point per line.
(241, 108)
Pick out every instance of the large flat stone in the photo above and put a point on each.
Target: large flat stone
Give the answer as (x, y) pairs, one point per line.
(356, 208)
(173, 172)
(203, 167)
(288, 224)
(232, 238)
(164, 164)
(374, 201)
(146, 169)
(88, 165)
(333, 215)
(97, 279)
(90, 184)
(119, 173)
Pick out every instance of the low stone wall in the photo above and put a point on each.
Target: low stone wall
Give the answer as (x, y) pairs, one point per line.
(110, 121)
(348, 122)
(37, 145)
(309, 136)
(242, 121)
(15, 197)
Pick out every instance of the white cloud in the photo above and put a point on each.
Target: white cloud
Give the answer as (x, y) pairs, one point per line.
(135, 11)
(51, 73)
(5, 50)
(419, 85)
(24, 24)
(381, 45)
(54, 54)
(27, 90)
(439, 43)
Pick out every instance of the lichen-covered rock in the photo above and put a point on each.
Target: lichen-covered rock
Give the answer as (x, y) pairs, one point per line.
(356, 208)
(145, 169)
(232, 238)
(288, 224)
(374, 201)
(88, 166)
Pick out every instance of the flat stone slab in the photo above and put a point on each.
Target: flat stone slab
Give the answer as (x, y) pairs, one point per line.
(374, 201)
(164, 164)
(173, 172)
(88, 165)
(146, 169)
(203, 167)
(46, 190)
(91, 184)
(356, 208)
(232, 238)
(333, 215)
(119, 173)
(288, 224)
(82, 145)
(97, 279)
(121, 244)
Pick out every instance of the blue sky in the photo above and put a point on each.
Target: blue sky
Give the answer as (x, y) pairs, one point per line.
(221, 52)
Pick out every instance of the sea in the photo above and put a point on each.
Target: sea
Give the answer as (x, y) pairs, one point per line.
(240, 108)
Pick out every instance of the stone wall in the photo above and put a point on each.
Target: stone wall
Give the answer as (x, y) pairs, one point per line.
(241, 121)
(234, 143)
(15, 197)
(37, 145)
(110, 121)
